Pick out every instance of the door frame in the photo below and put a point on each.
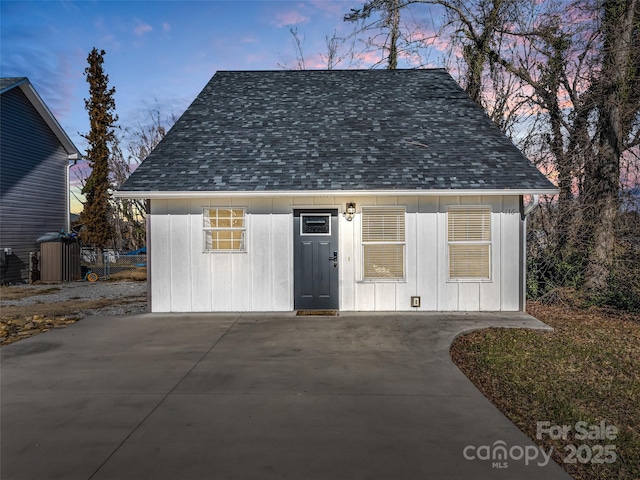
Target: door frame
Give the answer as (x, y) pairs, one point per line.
(297, 211)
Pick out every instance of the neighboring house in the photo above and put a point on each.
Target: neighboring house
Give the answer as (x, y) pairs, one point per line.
(351, 190)
(34, 176)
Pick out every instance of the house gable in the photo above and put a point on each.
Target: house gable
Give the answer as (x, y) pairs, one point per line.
(34, 183)
(8, 83)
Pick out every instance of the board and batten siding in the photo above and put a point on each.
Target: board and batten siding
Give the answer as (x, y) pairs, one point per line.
(33, 181)
(184, 278)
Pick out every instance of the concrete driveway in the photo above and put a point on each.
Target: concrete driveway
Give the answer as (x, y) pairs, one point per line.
(255, 396)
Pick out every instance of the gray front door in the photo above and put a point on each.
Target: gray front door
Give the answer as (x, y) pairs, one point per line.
(315, 258)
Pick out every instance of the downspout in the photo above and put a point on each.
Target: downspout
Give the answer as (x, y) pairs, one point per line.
(147, 208)
(74, 157)
(525, 210)
(529, 209)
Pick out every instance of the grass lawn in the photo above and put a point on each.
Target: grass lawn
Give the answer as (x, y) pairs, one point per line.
(587, 370)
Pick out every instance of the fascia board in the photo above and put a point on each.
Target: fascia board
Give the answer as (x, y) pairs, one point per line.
(160, 195)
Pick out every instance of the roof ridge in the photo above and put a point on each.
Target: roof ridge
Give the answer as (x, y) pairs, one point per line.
(337, 70)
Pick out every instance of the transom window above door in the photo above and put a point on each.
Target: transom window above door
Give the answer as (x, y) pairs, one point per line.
(315, 224)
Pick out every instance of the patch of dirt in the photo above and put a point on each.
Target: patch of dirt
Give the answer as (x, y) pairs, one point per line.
(66, 308)
(22, 321)
(17, 293)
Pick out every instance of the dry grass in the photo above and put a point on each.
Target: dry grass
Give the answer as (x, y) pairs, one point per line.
(138, 274)
(588, 369)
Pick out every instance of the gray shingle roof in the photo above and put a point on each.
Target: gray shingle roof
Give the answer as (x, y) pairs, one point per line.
(354, 130)
(6, 82)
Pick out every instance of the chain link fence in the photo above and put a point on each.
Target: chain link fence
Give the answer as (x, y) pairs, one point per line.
(109, 263)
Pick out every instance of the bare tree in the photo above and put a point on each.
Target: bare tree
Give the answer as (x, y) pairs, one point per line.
(616, 93)
(297, 46)
(129, 215)
(340, 52)
(563, 80)
(122, 227)
(384, 29)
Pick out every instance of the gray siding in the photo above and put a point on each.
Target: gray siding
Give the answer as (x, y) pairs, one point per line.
(33, 183)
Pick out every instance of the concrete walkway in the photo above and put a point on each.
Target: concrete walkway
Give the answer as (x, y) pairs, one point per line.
(254, 396)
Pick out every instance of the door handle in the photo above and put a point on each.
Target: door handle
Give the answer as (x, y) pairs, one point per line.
(334, 258)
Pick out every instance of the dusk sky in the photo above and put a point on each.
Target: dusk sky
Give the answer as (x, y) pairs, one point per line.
(158, 52)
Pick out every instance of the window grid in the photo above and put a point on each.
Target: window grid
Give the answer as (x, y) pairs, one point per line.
(224, 229)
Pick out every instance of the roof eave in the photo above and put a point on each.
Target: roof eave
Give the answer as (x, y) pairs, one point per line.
(168, 195)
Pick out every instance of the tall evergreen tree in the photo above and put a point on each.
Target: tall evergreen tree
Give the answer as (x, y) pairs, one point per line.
(96, 214)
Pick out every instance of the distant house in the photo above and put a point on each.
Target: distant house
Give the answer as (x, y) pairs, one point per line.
(361, 190)
(34, 175)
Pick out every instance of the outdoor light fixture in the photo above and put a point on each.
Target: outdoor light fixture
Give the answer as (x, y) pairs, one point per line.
(351, 211)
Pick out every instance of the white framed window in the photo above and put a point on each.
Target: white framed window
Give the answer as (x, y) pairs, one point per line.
(383, 243)
(224, 229)
(469, 242)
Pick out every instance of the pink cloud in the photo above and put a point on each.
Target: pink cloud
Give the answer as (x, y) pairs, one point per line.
(255, 57)
(315, 61)
(289, 18)
(166, 27)
(371, 58)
